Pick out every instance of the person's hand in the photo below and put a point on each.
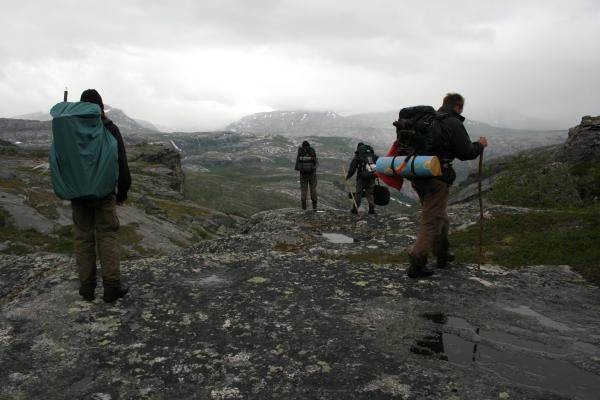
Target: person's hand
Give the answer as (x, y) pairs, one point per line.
(120, 203)
(483, 141)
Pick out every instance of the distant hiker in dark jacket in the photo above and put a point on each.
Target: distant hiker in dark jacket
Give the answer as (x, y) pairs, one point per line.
(433, 192)
(364, 157)
(96, 223)
(306, 164)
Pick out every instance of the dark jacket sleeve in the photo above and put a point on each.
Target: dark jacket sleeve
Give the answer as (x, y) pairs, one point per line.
(461, 144)
(352, 168)
(124, 175)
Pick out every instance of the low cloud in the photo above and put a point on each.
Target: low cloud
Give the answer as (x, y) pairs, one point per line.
(196, 66)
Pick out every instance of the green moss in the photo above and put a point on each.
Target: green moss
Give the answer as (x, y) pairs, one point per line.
(201, 233)
(13, 184)
(24, 241)
(44, 202)
(286, 247)
(554, 237)
(128, 234)
(180, 210)
(380, 257)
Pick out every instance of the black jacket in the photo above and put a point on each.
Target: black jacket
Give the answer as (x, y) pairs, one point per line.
(124, 175)
(457, 143)
(306, 151)
(357, 164)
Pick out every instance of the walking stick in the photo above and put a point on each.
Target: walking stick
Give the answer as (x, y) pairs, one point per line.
(349, 189)
(480, 177)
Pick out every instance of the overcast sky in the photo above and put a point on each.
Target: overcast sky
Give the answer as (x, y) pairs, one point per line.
(198, 65)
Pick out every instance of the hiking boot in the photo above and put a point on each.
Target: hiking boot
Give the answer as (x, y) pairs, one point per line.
(315, 205)
(418, 267)
(304, 204)
(113, 293)
(87, 293)
(371, 209)
(445, 260)
(354, 210)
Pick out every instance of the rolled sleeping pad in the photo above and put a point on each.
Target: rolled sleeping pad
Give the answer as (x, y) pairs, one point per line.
(415, 167)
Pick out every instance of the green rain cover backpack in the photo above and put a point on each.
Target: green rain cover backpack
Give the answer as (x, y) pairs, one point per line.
(84, 161)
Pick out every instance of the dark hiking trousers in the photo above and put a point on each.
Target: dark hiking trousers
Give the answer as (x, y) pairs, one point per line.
(368, 185)
(433, 232)
(95, 224)
(306, 181)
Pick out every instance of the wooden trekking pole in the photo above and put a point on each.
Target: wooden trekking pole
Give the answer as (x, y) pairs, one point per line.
(349, 189)
(480, 178)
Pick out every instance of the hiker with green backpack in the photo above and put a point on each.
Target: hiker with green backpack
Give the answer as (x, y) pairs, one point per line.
(363, 164)
(89, 166)
(423, 131)
(306, 164)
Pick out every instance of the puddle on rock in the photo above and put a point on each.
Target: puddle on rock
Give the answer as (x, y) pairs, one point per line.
(338, 238)
(522, 361)
(542, 319)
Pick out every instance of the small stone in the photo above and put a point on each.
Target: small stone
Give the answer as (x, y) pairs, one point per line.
(258, 279)
(503, 395)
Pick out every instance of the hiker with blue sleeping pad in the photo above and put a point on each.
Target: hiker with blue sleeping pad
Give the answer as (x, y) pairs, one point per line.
(427, 143)
(306, 164)
(88, 165)
(363, 164)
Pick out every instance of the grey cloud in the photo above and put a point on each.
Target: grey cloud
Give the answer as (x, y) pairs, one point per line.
(350, 56)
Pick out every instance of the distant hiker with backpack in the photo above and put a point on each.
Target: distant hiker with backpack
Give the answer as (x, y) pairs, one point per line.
(422, 131)
(306, 164)
(363, 165)
(88, 161)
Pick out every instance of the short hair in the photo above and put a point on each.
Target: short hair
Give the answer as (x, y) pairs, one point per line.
(92, 96)
(453, 99)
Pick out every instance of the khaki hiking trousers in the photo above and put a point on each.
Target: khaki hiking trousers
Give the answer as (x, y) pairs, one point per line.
(95, 225)
(433, 232)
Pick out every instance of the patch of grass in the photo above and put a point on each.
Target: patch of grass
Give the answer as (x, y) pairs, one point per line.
(552, 237)
(13, 184)
(128, 235)
(200, 233)
(286, 247)
(534, 180)
(178, 211)
(379, 257)
(44, 202)
(24, 241)
(587, 179)
(233, 193)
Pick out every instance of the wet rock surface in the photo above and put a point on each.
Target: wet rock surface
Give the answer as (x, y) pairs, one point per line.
(280, 311)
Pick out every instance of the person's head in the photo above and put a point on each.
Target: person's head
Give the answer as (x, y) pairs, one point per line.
(305, 144)
(92, 96)
(358, 146)
(454, 101)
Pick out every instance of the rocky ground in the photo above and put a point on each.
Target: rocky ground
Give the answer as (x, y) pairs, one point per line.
(286, 310)
(156, 220)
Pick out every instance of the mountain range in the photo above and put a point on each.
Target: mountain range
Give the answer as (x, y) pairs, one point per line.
(117, 115)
